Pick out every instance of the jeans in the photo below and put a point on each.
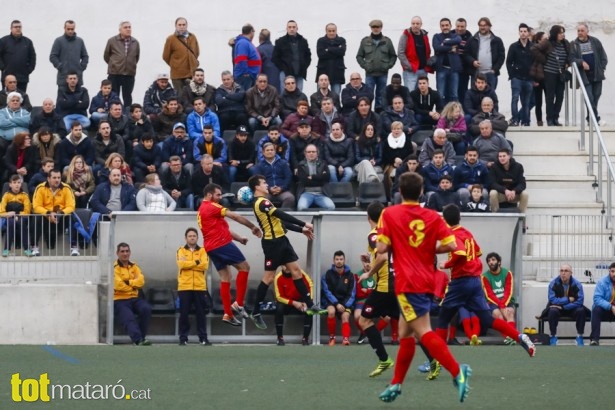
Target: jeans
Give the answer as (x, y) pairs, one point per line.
(126, 83)
(411, 78)
(308, 199)
(447, 82)
(378, 84)
(337, 89)
(554, 96)
(298, 81)
(594, 91)
(492, 80)
(334, 176)
(256, 125)
(82, 119)
(242, 171)
(521, 89)
(185, 201)
(246, 81)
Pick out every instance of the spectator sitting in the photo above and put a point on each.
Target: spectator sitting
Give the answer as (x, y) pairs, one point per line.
(152, 198)
(157, 95)
(394, 148)
(426, 104)
(603, 308)
(80, 179)
(487, 112)
(241, 156)
(40, 177)
(291, 123)
(178, 144)
(10, 86)
(438, 141)
(199, 118)
(454, 123)
(118, 120)
(105, 144)
(398, 111)
(396, 89)
(101, 103)
(20, 158)
(368, 155)
(338, 293)
(146, 158)
(409, 164)
(312, 175)
(290, 97)
(507, 182)
(339, 154)
(469, 173)
(230, 100)
(49, 118)
(177, 183)
(208, 143)
(116, 161)
(262, 105)
(321, 124)
(76, 142)
(300, 141)
(489, 143)
(279, 141)
(444, 195)
(565, 300)
(13, 120)
(45, 143)
(73, 102)
(208, 174)
(322, 92)
(171, 114)
(477, 202)
(354, 90)
(434, 171)
(15, 207)
(138, 125)
(278, 176)
(475, 95)
(361, 116)
(113, 195)
(197, 87)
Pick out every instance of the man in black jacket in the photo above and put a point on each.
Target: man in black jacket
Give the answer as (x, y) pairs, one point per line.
(292, 55)
(518, 63)
(312, 175)
(177, 182)
(507, 182)
(331, 50)
(17, 56)
(480, 62)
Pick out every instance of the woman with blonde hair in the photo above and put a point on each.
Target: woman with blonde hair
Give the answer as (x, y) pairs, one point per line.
(453, 122)
(395, 147)
(152, 198)
(79, 177)
(116, 161)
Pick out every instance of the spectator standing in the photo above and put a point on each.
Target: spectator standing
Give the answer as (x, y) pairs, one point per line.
(181, 53)
(464, 77)
(331, 50)
(292, 55)
(265, 50)
(518, 63)
(413, 52)
(122, 54)
(69, 55)
(17, 56)
(247, 61)
(448, 63)
(485, 53)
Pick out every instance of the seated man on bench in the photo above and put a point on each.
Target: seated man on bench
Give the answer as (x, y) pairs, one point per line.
(604, 304)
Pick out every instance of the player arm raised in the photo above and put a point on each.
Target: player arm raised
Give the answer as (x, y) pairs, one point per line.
(295, 224)
(245, 222)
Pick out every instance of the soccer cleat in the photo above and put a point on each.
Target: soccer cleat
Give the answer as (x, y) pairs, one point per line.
(144, 342)
(74, 252)
(509, 341)
(579, 341)
(462, 381)
(382, 366)
(594, 343)
(553, 341)
(258, 321)
(239, 310)
(280, 342)
(305, 341)
(34, 251)
(475, 341)
(424, 368)
(527, 344)
(434, 370)
(390, 393)
(331, 340)
(315, 310)
(183, 343)
(205, 342)
(230, 319)
(362, 338)
(345, 342)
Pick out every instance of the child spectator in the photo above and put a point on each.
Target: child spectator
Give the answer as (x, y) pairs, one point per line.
(15, 203)
(477, 202)
(99, 107)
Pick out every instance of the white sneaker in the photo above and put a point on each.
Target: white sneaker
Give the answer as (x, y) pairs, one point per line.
(34, 251)
(602, 123)
(74, 252)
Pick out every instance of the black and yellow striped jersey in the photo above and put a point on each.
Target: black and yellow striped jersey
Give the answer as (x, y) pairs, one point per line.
(270, 224)
(384, 277)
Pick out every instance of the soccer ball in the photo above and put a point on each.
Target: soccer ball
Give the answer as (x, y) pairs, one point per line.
(245, 195)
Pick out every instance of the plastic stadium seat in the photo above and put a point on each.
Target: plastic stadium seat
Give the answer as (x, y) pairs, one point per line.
(161, 299)
(258, 135)
(228, 136)
(420, 136)
(5, 187)
(341, 193)
(370, 192)
(234, 188)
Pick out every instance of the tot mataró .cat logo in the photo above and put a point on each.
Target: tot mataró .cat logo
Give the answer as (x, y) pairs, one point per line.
(42, 389)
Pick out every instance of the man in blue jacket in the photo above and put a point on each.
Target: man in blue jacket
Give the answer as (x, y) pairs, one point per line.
(448, 65)
(338, 293)
(278, 176)
(246, 60)
(200, 116)
(565, 299)
(113, 195)
(604, 304)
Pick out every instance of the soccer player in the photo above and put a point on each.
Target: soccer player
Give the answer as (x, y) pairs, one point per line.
(465, 287)
(277, 248)
(381, 302)
(218, 242)
(498, 284)
(414, 235)
(288, 299)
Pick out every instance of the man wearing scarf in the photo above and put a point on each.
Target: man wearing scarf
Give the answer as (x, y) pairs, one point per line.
(198, 88)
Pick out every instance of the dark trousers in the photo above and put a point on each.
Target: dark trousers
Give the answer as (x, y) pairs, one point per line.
(50, 230)
(21, 85)
(599, 315)
(125, 311)
(577, 314)
(282, 310)
(229, 120)
(17, 233)
(201, 302)
(594, 91)
(126, 83)
(554, 96)
(537, 99)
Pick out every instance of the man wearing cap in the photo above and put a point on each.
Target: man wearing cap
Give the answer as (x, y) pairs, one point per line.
(241, 156)
(376, 56)
(157, 95)
(413, 52)
(181, 53)
(178, 144)
(292, 121)
(262, 105)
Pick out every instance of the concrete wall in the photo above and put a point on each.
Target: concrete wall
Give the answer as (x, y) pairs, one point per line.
(214, 22)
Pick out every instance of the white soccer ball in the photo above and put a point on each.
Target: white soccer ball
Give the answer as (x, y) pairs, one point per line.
(245, 195)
